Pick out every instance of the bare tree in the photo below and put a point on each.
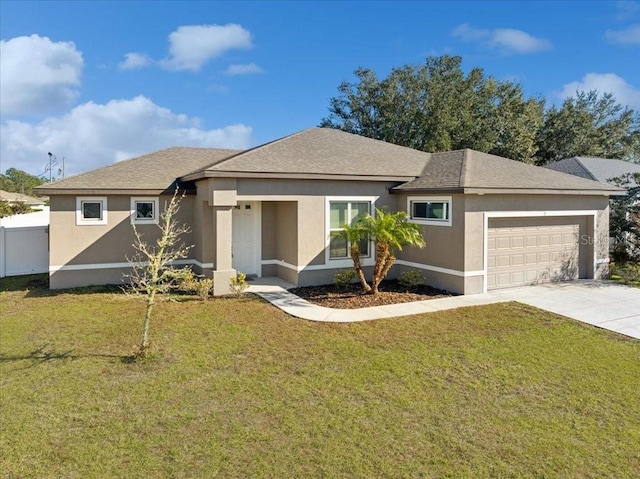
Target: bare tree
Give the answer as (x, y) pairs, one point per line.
(153, 270)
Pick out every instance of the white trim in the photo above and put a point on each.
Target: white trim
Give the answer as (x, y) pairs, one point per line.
(535, 214)
(603, 261)
(345, 262)
(145, 221)
(299, 269)
(438, 269)
(80, 220)
(269, 197)
(432, 199)
(90, 266)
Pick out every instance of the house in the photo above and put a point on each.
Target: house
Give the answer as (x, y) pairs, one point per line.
(20, 198)
(276, 210)
(603, 170)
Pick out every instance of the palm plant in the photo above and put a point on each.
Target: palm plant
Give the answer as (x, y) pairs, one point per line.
(390, 232)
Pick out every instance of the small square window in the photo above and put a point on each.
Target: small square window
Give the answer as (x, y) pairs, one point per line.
(144, 210)
(91, 210)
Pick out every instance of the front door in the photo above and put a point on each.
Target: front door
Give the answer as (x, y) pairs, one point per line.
(246, 238)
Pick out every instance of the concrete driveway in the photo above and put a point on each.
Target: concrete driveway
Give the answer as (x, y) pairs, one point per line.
(606, 305)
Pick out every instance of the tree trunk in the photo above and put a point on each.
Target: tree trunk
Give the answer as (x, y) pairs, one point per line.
(355, 256)
(382, 254)
(384, 270)
(147, 317)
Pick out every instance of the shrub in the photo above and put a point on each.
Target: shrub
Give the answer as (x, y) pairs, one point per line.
(238, 284)
(628, 273)
(198, 285)
(342, 279)
(411, 279)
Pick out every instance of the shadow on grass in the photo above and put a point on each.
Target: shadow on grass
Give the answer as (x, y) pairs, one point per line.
(45, 354)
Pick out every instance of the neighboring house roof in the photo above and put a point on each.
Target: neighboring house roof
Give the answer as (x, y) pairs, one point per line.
(598, 169)
(151, 173)
(322, 153)
(19, 197)
(471, 171)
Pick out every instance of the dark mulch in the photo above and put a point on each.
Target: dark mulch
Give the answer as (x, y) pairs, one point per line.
(352, 298)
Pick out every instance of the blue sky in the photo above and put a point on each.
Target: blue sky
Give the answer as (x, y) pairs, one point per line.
(96, 82)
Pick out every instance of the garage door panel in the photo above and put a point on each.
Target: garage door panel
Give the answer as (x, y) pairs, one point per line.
(531, 250)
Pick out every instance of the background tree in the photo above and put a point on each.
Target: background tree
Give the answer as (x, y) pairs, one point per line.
(390, 232)
(624, 220)
(152, 270)
(18, 181)
(436, 107)
(589, 124)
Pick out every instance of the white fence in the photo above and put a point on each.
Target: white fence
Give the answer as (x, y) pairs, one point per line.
(24, 250)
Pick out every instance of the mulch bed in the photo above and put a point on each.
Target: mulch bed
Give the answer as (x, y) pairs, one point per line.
(353, 297)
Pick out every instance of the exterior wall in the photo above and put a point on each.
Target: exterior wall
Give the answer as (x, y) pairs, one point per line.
(294, 234)
(454, 256)
(97, 254)
(445, 244)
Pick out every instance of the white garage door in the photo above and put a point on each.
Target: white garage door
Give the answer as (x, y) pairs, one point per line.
(532, 250)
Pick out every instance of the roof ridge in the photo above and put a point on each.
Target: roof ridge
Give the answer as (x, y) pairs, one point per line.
(277, 140)
(466, 156)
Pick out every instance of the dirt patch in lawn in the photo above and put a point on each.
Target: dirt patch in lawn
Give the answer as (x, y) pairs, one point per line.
(352, 298)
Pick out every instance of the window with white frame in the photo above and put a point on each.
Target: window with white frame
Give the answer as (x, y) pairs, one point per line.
(341, 213)
(430, 210)
(144, 210)
(91, 210)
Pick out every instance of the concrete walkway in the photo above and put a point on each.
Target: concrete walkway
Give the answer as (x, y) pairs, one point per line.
(603, 304)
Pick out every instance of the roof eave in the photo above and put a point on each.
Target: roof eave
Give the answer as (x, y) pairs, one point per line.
(543, 191)
(111, 191)
(509, 191)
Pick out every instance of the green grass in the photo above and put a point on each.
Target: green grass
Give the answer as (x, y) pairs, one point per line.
(238, 389)
(626, 273)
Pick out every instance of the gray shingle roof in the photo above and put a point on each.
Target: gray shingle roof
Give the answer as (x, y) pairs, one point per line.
(329, 153)
(472, 170)
(154, 171)
(325, 151)
(599, 169)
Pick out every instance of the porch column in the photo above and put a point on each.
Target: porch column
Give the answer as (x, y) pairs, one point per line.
(224, 271)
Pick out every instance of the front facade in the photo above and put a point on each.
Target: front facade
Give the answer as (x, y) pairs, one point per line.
(276, 210)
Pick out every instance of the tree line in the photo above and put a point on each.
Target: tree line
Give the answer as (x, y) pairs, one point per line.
(437, 107)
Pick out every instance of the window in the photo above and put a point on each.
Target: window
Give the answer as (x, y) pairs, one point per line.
(341, 213)
(430, 210)
(91, 210)
(144, 210)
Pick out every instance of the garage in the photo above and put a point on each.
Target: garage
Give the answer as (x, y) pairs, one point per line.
(524, 251)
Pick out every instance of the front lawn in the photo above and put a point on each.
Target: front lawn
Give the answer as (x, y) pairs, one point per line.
(239, 389)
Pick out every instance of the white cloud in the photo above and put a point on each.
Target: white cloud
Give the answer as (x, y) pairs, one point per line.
(246, 69)
(628, 36)
(93, 135)
(38, 75)
(191, 46)
(625, 93)
(505, 40)
(134, 61)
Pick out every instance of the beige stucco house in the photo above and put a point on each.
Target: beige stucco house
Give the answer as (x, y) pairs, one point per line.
(275, 210)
